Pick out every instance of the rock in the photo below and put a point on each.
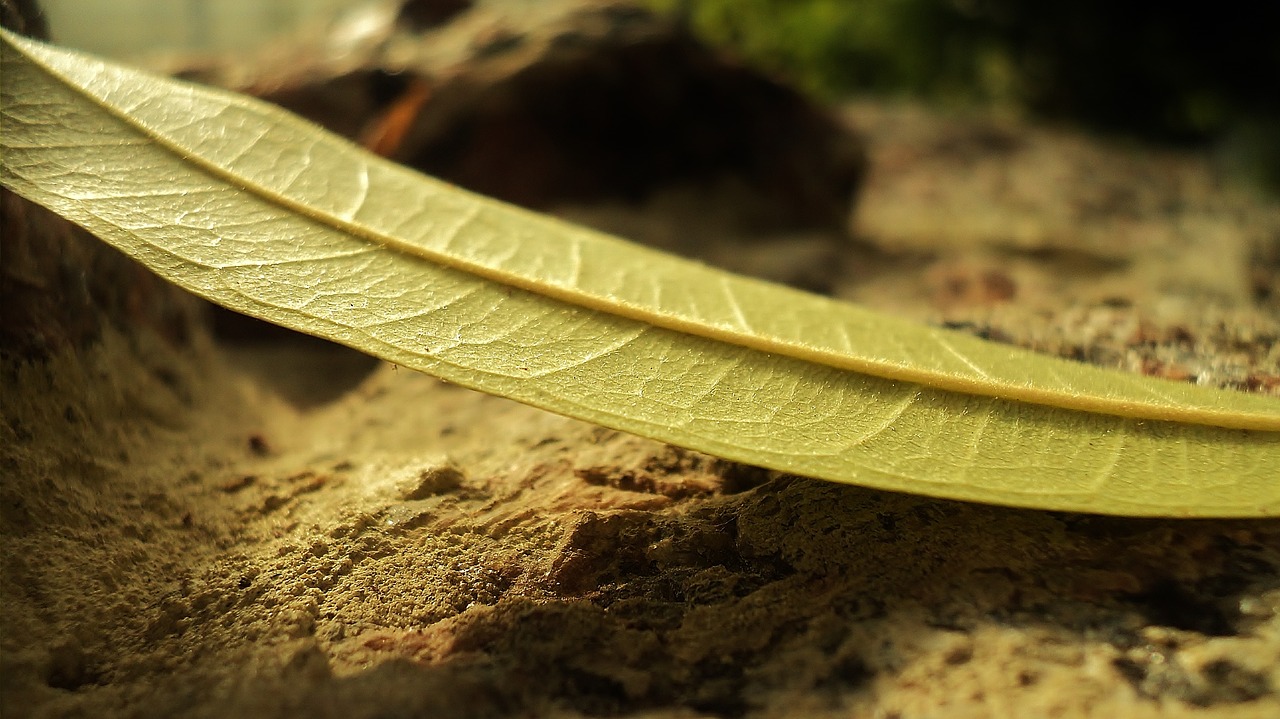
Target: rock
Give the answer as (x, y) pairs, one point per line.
(582, 102)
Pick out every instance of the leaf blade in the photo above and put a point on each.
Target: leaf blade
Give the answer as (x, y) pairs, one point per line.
(268, 215)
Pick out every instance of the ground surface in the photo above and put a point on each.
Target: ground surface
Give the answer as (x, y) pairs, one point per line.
(287, 529)
(197, 527)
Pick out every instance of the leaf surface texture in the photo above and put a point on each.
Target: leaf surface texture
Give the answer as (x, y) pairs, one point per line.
(269, 215)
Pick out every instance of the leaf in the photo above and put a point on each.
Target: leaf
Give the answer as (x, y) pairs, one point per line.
(267, 214)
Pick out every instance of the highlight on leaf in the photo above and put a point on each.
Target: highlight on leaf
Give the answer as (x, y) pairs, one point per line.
(262, 212)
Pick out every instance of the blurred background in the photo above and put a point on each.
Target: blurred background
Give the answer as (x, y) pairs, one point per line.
(132, 28)
(1187, 74)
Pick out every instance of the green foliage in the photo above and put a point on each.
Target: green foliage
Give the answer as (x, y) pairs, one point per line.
(833, 47)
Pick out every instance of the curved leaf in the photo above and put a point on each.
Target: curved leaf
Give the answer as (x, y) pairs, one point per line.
(267, 214)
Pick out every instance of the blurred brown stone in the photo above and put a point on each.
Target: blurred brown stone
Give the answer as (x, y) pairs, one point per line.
(582, 102)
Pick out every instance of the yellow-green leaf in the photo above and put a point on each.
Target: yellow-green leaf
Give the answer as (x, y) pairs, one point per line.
(259, 211)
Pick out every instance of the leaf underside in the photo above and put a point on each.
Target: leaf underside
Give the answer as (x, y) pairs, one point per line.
(252, 208)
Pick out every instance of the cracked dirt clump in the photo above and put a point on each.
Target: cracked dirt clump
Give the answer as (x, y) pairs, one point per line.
(483, 558)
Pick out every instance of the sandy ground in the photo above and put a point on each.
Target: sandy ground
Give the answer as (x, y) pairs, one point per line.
(289, 529)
